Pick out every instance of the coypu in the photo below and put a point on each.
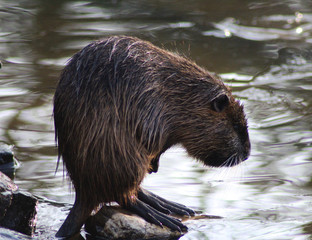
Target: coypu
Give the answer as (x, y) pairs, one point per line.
(120, 103)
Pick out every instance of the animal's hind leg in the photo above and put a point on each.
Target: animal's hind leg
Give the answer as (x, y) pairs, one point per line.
(74, 221)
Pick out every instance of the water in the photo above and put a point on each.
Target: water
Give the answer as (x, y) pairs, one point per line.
(261, 48)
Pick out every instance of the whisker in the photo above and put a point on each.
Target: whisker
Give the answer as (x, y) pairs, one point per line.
(231, 160)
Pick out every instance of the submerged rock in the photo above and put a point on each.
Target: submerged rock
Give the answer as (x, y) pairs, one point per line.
(117, 223)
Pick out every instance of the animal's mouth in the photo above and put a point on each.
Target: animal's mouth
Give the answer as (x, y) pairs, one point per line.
(238, 157)
(217, 160)
(234, 159)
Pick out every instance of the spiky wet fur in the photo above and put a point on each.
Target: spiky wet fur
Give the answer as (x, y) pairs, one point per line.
(121, 102)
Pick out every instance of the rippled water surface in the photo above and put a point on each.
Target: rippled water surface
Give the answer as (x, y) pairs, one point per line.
(262, 49)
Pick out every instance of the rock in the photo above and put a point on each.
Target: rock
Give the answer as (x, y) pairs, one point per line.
(6, 154)
(7, 187)
(8, 163)
(17, 209)
(116, 223)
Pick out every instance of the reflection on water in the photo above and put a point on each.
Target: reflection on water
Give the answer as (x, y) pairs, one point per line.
(260, 48)
(301, 30)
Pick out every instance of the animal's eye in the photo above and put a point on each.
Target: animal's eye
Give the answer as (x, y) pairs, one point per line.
(219, 103)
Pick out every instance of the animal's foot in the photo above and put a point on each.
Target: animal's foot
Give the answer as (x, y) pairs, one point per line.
(164, 205)
(154, 209)
(154, 216)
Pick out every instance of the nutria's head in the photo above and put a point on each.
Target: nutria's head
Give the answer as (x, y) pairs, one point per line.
(208, 121)
(213, 126)
(218, 136)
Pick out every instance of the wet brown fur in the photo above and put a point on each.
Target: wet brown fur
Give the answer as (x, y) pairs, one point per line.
(121, 102)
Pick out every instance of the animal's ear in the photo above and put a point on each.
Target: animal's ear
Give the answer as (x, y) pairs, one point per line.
(219, 103)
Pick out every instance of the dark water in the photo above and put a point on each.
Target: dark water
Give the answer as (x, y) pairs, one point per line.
(261, 48)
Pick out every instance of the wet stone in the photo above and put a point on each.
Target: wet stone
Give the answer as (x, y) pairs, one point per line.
(17, 209)
(6, 154)
(116, 223)
(8, 163)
